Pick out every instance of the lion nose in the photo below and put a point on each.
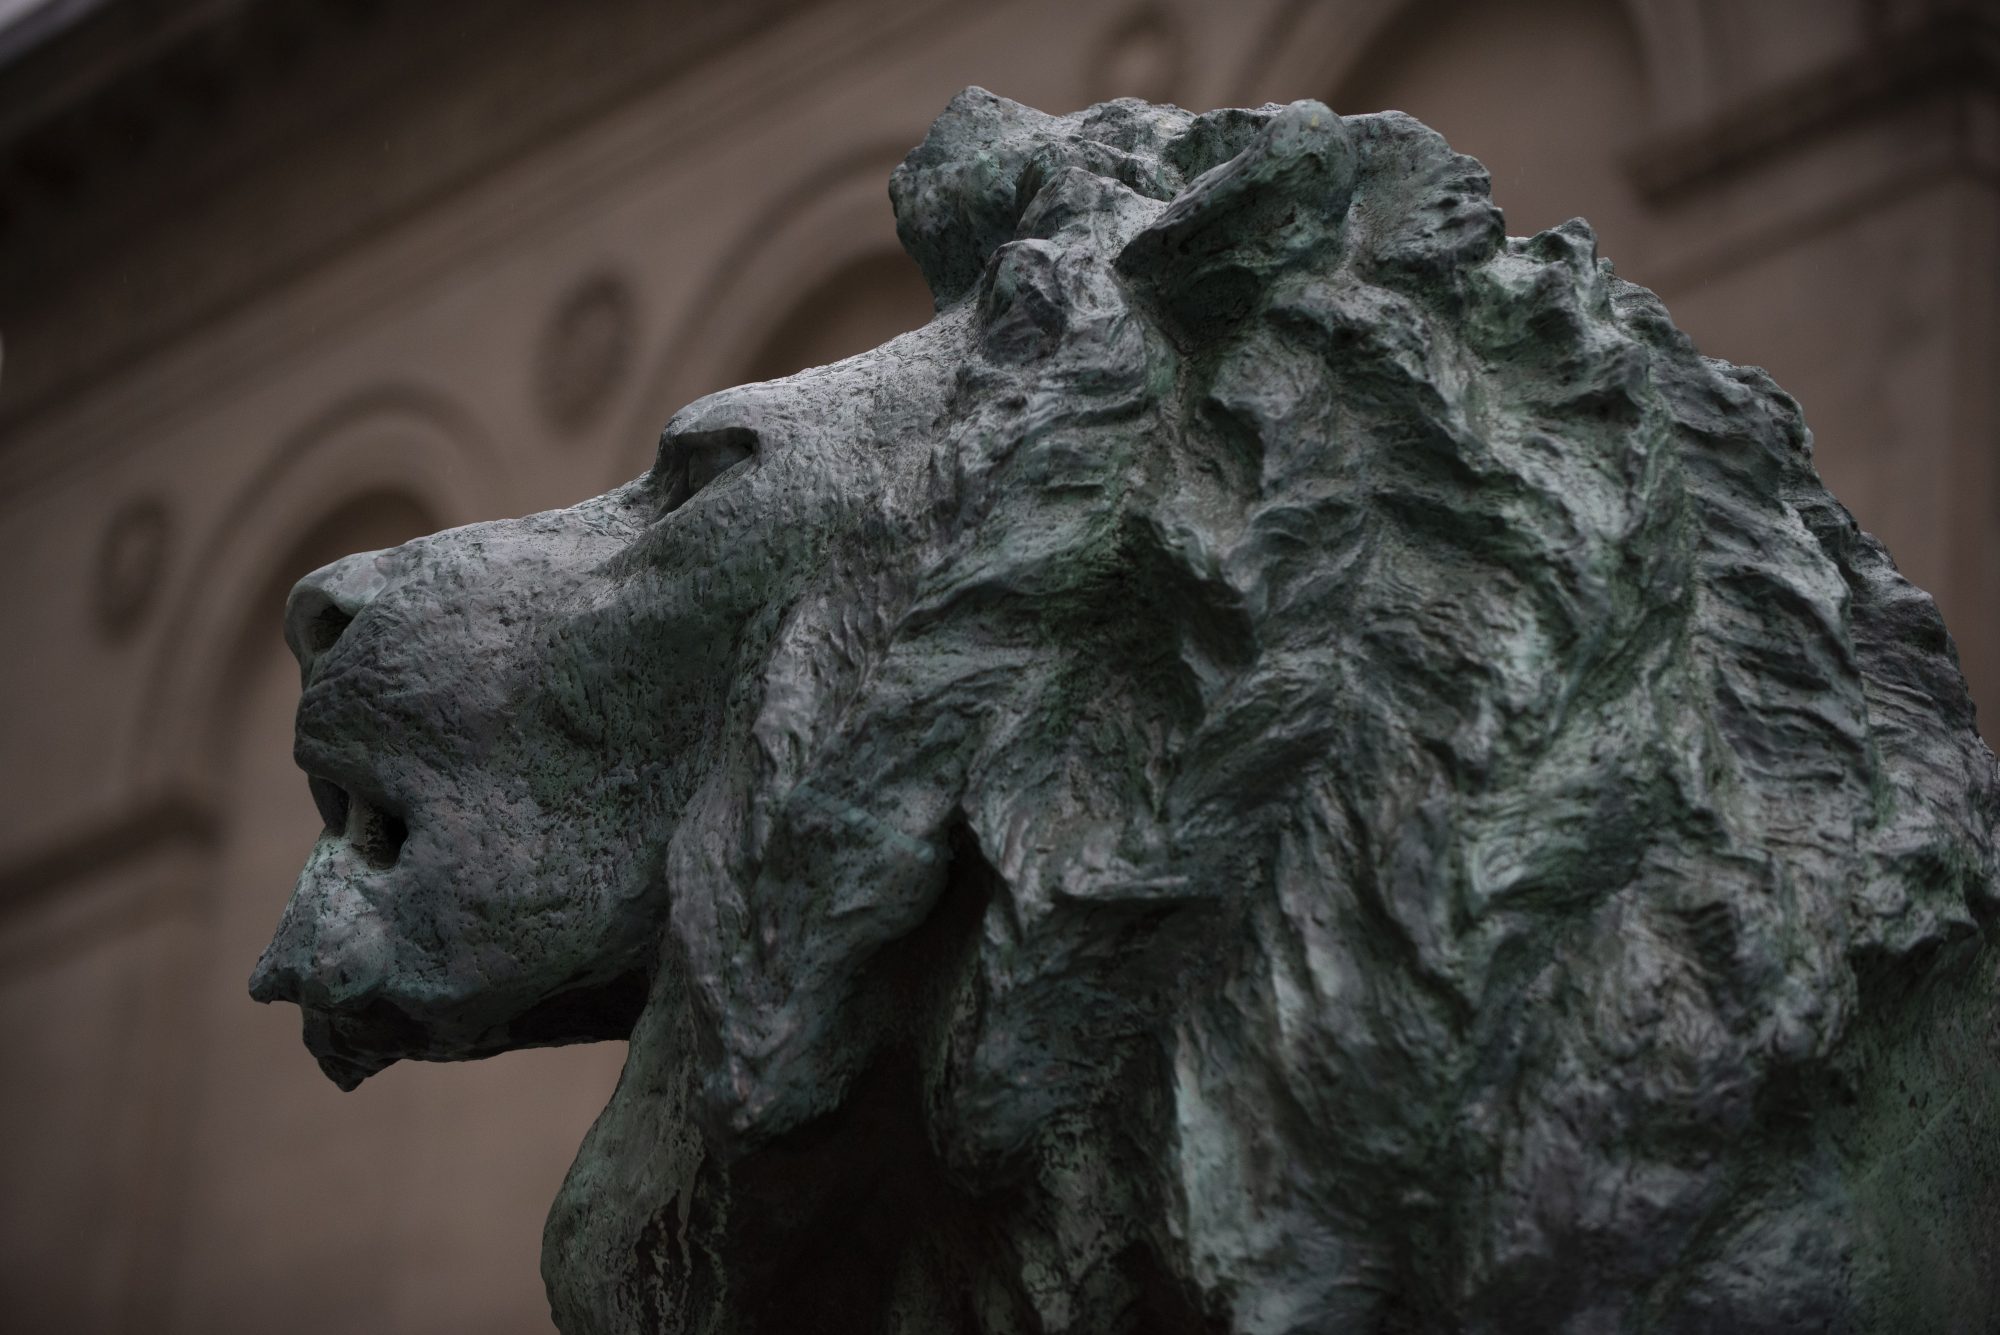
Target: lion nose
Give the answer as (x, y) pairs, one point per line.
(271, 980)
(333, 946)
(325, 603)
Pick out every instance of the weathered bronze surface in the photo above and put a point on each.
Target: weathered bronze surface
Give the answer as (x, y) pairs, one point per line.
(1290, 763)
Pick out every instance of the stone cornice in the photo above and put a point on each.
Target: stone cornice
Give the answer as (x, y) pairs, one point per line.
(498, 213)
(152, 192)
(1954, 53)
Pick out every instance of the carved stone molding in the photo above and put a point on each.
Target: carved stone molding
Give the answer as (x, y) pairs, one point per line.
(111, 126)
(1317, 45)
(803, 234)
(164, 830)
(704, 92)
(390, 439)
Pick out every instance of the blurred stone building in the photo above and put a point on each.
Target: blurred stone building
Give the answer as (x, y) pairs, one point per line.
(284, 279)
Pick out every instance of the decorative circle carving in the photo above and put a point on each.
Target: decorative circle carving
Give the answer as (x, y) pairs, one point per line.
(586, 349)
(131, 558)
(1143, 55)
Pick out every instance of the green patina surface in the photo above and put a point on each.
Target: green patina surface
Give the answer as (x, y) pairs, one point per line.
(1290, 763)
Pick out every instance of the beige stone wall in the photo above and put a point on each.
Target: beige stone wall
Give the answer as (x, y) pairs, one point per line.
(1813, 185)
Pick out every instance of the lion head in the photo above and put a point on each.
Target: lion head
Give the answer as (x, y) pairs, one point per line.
(1290, 762)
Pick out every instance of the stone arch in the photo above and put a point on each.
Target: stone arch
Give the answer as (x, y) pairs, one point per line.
(869, 297)
(403, 447)
(363, 521)
(380, 468)
(825, 240)
(410, 460)
(1316, 46)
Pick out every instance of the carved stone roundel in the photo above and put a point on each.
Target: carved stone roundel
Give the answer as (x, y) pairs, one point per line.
(586, 348)
(131, 557)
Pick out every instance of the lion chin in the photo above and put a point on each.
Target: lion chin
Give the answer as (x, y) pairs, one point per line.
(351, 1047)
(1289, 763)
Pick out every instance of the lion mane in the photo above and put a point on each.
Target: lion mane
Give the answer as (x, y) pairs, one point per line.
(1355, 781)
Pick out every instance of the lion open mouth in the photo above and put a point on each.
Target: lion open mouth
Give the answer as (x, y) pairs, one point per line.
(352, 1045)
(373, 831)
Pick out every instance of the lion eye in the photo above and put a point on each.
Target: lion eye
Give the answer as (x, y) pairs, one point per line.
(696, 458)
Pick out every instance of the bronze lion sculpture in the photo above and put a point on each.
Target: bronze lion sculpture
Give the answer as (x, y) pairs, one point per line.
(1289, 763)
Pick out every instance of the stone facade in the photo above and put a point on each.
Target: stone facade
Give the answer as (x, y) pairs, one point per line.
(284, 281)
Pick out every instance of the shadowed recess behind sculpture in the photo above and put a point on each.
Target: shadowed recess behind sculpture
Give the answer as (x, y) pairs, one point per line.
(1288, 763)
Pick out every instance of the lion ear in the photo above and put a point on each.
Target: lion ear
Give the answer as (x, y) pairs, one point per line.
(1279, 202)
(956, 195)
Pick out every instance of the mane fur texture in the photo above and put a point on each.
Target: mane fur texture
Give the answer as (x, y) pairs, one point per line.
(1357, 782)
